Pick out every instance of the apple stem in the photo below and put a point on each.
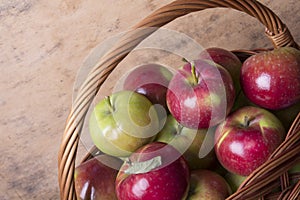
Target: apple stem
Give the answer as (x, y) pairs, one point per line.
(179, 128)
(111, 107)
(185, 60)
(246, 122)
(195, 77)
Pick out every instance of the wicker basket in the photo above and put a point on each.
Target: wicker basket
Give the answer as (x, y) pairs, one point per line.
(260, 184)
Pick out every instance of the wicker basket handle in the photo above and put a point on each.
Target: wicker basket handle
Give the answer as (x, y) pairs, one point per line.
(275, 29)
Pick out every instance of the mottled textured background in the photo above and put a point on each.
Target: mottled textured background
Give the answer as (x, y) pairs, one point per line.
(43, 45)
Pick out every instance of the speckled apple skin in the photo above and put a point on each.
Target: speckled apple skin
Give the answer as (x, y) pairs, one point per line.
(241, 149)
(204, 103)
(226, 59)
(272, 79)
(170, 181)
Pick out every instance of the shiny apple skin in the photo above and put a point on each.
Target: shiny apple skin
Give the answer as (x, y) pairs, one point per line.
(272, 79)
(242, 148)
(94, 180)
(122, 122)
(150, 80)
(170, 181)
(204, 102)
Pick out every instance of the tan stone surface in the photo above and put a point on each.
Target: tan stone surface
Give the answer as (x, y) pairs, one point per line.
(42, 47)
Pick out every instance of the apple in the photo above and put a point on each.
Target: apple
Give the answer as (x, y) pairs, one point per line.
(218, 168)
(271, 79)
(95, 179)
(155, 171)
(288, 115)
(200, 94)
(295, 170)
(234, 180)
(189, 142)
(151, 80)
(226, 59)
(246, 139)
(208, 185)
(122, 122)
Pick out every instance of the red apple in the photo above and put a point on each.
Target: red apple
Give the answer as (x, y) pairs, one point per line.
(226, 59)
(208, 185)
(155, 171)
(151, 80)
(272, 79)
(95, 178)
(247, 138)
(200, 94)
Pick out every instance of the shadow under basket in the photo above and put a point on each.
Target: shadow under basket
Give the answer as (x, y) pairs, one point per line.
(262, 182)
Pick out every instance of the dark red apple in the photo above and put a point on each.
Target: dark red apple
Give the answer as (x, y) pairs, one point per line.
(155, 171)
(226, 59)
(151, 80)
(246, 139)
(271, 79)
(200, 94)
(95, 178)
(208, 185)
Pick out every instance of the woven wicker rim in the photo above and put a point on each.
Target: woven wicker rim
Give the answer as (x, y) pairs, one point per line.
(259, 183)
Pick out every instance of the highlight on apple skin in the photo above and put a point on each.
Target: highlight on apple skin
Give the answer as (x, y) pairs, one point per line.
(246, 139)
(122, 122)
(95, 178)
(201, 94)
(153, 173)
(271, 79)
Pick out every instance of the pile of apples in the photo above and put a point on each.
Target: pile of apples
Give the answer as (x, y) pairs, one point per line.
(196, 133)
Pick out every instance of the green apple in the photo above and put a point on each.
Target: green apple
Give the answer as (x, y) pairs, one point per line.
(234, 180)
(288, 115)
(208, 185)
(123, 122)
(195, 145)
(295, 168)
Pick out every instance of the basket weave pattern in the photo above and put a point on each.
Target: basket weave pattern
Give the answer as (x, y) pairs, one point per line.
(261, 183)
